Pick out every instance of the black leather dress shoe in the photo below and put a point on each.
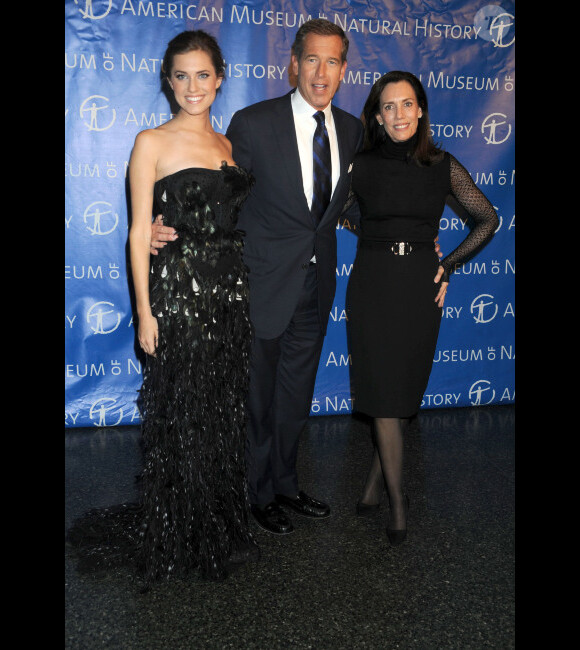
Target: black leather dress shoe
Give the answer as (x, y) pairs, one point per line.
(272, 519)
(305, 505)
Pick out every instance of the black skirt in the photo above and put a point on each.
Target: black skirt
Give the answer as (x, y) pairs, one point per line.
(393, 325)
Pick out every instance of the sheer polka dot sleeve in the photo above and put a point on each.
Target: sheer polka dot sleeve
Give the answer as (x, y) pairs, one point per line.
(472, 199)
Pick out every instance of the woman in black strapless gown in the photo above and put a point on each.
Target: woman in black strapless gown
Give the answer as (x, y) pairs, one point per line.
(397, 285)
(192, 304)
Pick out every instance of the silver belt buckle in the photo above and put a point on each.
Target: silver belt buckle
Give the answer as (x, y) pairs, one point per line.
(401, 248)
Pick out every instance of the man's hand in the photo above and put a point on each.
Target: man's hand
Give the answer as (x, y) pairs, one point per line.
(437, 247)
(160, 235)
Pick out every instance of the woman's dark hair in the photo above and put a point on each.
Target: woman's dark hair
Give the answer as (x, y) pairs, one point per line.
(194, 40)
(426, 152)
(320, 27)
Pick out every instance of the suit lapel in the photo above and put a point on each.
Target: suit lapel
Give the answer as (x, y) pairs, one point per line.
(288, 147)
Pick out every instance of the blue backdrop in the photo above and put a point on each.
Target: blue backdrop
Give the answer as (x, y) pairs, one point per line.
(463, 51)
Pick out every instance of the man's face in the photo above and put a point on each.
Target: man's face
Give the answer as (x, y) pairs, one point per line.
(320, 69)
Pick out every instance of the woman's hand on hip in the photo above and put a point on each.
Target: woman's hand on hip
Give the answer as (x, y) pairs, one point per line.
(440, 297)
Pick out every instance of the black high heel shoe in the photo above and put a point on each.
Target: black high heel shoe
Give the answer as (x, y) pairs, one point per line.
(365, 509)
(398, 535)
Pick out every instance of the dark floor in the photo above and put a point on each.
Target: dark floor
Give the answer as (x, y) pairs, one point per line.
(335, 583)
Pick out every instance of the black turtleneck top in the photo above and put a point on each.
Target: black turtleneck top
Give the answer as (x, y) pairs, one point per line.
(401, 200)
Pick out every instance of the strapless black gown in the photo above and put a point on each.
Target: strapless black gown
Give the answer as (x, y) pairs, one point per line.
(194, 510)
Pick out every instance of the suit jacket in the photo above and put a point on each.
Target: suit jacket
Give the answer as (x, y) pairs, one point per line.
(280, 235)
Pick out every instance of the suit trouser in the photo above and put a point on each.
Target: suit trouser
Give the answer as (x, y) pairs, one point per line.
(282, 376)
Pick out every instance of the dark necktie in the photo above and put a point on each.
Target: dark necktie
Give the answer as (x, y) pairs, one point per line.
(322, 168)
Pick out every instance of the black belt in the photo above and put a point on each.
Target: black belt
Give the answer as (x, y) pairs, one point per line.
(396, 247)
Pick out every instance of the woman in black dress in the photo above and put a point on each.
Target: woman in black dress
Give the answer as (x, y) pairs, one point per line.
(193, 324)
(398, 285)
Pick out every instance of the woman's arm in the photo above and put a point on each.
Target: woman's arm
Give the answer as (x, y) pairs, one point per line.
(482, 212)
(472, 199)
(142, 172)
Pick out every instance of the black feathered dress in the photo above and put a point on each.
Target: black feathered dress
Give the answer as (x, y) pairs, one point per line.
(193, 514)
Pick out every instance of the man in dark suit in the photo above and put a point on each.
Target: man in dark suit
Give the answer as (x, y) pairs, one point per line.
(301, 166)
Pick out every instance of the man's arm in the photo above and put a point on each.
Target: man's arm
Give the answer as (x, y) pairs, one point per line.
(239, 134)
